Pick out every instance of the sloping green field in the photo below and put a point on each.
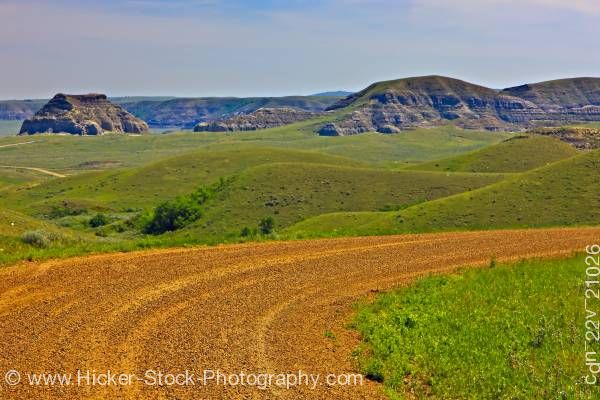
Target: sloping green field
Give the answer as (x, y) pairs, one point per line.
(72, 155)
(562, 194)
(150, 184)
(514, 331)
(11, 177)
(518, 154)
(291, 192)
(309, 185)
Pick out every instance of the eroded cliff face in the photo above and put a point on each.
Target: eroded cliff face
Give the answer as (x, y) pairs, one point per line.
(90, 114)
(582, 138)
(262, 118)
(390, 107)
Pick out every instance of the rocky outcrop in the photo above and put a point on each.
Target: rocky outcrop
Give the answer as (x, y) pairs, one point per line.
(582, 138)
(90, 114)
(262, 118)
(389, 107)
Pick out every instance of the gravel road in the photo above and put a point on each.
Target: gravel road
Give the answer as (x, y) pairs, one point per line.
(252, 308)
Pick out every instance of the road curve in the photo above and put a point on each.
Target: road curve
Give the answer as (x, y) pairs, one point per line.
(256, 308)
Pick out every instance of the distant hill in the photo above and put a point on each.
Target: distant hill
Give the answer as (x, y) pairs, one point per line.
(337, 93)
(19, 109)
(263, 118)
(566, 93)
(23, 109)
(391, 106)
(191, 111)
(182, 112)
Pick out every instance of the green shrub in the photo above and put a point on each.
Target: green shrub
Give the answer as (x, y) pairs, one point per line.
(179, 212)
(246, 232)
(39, 238)
(65, 209)
(266, 225)
(174, 214)
(98, 220)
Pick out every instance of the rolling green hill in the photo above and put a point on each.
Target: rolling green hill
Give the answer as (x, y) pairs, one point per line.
(72, 155)
(565, 193)
(11, 177)
(310, 185)
(290, 192)
(148, 185)
(517, 154)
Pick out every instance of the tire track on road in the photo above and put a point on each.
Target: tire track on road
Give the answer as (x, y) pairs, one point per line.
(250, 307)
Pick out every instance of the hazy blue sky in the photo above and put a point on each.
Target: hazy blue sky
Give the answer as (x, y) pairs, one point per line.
(271, 47)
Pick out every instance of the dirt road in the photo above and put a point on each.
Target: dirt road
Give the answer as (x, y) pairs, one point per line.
(255, 308)
(40, 170)
(17, 144)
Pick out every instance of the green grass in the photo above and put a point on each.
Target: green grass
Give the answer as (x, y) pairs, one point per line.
(514, 331)
(566, 193)
(72, 155)
(291, 192)
(146, 186)
(517, 154)
(17, 177)
(123, 176)
(13, 225)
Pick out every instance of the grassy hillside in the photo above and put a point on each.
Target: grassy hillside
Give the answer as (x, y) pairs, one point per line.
(562, 194)
(290, 192)
(517, 154)
(57, 241)
(11, 177)
(474, 336)
(148, 185)
(432, 85)
(76, 154)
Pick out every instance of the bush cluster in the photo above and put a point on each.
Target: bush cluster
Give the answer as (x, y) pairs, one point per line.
(177, 213)
(40, 238)
(98, 220)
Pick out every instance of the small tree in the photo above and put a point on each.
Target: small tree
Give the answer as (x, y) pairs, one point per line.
(266, 225)
(98, 220)
(173, 215)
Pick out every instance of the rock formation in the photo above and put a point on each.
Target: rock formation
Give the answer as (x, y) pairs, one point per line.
(262, 118)
(187, 112)
(389, 107)
(580, 137)
(90, 114)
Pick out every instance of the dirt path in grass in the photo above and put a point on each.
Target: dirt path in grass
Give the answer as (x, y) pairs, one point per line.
(40, 170)
(17, 144)
(252, 308)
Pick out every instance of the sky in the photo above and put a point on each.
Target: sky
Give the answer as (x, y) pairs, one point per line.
(197, 48)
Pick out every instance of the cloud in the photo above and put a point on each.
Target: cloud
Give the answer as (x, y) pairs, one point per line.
(268, 47)
(581, 6)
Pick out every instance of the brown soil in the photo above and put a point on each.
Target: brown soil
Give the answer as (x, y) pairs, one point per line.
(252, 307)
